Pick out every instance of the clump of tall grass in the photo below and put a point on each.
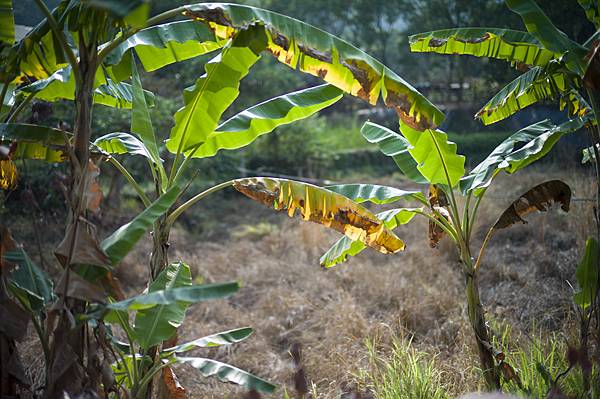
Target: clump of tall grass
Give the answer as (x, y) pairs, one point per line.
(542, 365)
(405, 372)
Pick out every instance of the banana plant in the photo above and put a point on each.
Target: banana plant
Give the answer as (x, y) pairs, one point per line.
(85, 51)
(555, 67)
(428, 157)
(241, 129)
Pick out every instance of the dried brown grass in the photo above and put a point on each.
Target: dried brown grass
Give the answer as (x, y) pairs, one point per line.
(287, 298)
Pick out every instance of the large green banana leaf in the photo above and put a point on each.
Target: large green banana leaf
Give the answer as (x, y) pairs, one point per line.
(535, 85)
(7, 22)
(592, 11)
(534, 141)
(141, 125)
(165, 44)
(540, 26)
(311, 50)
(243, 128)
(227, 373)
(345, 247)
(61, 85)
(120, 242)
(122, 143)
(393, 145)
(322, 206)
(211, 341)
(34, 141)
(31, 285)
(191, 294)
(215, 91)
(157, 324)
(375, 193)
(503, 44)
(436, 157)
(132, 12)
(587, 275)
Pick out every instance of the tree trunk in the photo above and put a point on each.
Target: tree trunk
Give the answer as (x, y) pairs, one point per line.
(478, 323)
(66, 371)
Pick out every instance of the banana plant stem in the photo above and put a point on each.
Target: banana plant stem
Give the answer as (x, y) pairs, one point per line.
(488, 236)
(183, 207)
(20, 108)
(131, 180)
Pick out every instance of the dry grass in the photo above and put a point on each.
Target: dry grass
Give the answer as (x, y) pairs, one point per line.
(287, 298)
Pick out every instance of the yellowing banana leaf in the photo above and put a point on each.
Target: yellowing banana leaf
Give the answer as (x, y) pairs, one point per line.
(534, 141)
(34, 141)
(311, 50)
(436, 157)
(535, 85)
(375, 193)
(592, 11)
(393, 145)
(503, 44)
(7, 22)
(322, 206)
(243, 128)
(345, 247)
(539, 198)
(37, 55)
(165, 44)
(227, 373)
(540, 26)
(8, 175)
(215, 91)
(61, 85)
(159, 323)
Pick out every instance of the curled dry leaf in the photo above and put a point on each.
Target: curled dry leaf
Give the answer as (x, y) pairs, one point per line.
(172, 385)
(14, 320)
(8, 174)
(82, 247)
(93, 195)
(79, 288)
(322, 206)
(539, 198)
(7, 244)
(592, 73)
(438, 202)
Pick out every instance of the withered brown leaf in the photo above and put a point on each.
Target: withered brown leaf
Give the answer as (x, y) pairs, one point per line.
(539, 198)
(438, 202)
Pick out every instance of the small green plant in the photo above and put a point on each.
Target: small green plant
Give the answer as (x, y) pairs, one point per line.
(405, 373)
(542, 365)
